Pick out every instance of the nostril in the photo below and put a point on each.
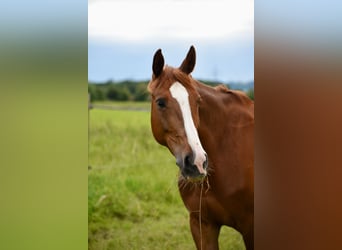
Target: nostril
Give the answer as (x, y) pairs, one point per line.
(205, 163)
(187, 160)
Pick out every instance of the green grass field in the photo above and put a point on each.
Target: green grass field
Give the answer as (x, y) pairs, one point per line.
(133, 199)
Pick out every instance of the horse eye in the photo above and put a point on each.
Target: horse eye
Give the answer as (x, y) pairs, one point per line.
(161, 103)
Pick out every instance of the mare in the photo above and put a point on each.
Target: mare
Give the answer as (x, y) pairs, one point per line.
(210, 132)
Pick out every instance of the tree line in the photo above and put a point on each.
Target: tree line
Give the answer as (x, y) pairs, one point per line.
(137, 90)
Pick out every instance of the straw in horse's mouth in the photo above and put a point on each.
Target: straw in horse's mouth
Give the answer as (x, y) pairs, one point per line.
(193, 178)
(196, 179)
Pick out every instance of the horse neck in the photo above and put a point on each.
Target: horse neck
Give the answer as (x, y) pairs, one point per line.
(222, 110)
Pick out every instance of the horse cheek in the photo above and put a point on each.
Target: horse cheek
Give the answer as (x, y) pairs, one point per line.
(157, 130)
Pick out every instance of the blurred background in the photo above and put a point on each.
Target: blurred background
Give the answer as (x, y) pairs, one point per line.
(44, 81)
(124, 35)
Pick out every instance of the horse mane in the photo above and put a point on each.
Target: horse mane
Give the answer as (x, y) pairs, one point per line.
(238, 95)
(183, 78)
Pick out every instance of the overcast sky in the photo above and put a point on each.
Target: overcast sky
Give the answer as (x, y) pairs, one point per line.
(123, 36)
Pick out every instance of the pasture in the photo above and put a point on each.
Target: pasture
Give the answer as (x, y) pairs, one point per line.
(133, 198)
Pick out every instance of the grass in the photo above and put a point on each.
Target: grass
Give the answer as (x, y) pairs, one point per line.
(133, 199)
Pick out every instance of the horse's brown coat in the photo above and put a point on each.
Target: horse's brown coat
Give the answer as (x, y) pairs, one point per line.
(225, 123)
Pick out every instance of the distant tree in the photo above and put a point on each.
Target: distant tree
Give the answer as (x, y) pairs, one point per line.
(141, 93)
(129, 85)
(250, 93)
(137, 90)
(117, 93)
(91, 91)
(96, 92)
(99, 94)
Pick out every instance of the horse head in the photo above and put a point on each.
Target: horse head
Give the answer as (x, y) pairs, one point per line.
(175, 114)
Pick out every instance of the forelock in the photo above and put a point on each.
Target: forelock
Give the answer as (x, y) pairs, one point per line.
(168, 77)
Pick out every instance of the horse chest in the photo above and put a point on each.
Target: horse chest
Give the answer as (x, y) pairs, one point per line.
(207, 200)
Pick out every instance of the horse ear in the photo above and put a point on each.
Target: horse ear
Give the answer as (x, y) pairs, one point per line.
(189, 62)
(158, 63)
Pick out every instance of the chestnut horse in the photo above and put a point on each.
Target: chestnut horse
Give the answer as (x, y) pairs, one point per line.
(210, 132)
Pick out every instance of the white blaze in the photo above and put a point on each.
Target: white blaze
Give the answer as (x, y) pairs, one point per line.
(181, 95)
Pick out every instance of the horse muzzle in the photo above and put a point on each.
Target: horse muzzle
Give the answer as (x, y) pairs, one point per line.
(192, 166)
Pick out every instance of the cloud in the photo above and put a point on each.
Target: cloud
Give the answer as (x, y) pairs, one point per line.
(143, 21)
